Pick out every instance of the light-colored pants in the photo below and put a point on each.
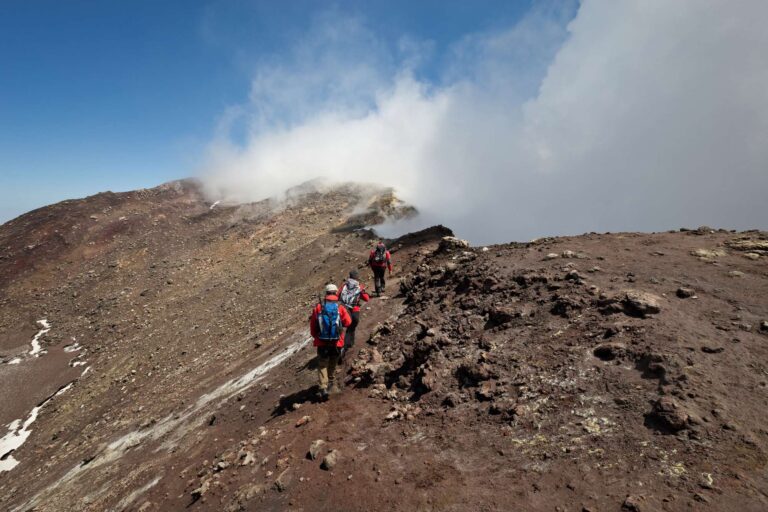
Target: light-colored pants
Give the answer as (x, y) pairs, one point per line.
(326, 366)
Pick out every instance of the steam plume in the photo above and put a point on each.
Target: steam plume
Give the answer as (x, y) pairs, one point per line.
(632, 115)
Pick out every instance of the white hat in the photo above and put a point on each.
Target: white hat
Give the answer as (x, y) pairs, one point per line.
(331, 288)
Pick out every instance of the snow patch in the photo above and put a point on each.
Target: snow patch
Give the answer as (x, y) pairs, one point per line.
(36, 348)
(15, 360)
(73, 347)
(214, 205)
(175, 426)
(18, 434)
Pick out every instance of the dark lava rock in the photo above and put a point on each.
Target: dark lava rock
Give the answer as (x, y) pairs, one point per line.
(631, 504)
(563, 305)
(502, 315)
(609, 351)
(450, 400)
(669, 414)
(470, 374)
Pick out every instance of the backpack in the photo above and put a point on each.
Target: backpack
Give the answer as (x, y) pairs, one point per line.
(350, 293)
(329, 321)
(380, 255)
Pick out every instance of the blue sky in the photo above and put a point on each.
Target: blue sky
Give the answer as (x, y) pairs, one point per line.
(118, 95)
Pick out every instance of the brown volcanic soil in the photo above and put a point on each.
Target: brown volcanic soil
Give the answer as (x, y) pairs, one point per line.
(499, 379)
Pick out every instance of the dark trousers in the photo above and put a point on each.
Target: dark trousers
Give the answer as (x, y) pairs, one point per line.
(349, 335)
(379, 278)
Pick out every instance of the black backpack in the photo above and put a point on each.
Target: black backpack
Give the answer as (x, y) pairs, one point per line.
(380, 256)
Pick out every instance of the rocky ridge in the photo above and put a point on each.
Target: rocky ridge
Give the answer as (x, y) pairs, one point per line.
(602, 372)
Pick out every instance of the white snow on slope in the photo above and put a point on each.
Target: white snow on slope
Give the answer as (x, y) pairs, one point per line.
(18, 434)
(36, 348)
(175, 426)
(73, 347)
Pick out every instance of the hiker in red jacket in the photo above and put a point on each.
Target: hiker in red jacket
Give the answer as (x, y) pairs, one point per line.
(326, 324)
(352, 292)
(380, 260)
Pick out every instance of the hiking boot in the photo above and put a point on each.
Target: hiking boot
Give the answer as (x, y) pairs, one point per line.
(323, 395)
(334, 389)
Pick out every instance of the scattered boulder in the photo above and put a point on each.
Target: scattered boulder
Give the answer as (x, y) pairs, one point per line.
(609, 351)
(330, 460)
(563, 305)
(393, 415)
(503, 314)
(642, 304)
(246, 457)
(669, 414)
(201, 490)
(471, 374)
(450, 400)
(764, 326)
(752, 255)
(450, 243)
(551, 256)
(282, 481)
(709, 254)
(748, 245)
(249, 491)
(573, 275)
(632, 504)
(314, 449)
(735, 273)
(303, 421)
(685, 293)
(486, 391)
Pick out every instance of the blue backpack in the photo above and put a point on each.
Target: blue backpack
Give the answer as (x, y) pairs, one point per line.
(329, 321)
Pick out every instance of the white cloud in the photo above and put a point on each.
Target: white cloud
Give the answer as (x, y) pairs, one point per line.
(645, 115)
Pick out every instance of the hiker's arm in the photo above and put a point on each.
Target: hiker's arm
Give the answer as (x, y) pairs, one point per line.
(364, 296)
(346, 320)
(313, 323)
(389, 262)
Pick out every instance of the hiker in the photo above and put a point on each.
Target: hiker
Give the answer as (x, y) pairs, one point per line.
(326, 324)
(380, 260)
(352, 292)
